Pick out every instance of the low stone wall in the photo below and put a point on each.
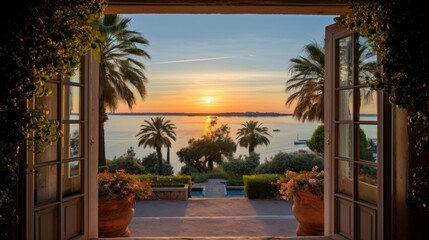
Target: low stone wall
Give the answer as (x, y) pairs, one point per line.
(170, 192)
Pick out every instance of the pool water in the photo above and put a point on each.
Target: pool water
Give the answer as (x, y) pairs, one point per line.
(197, 192)
(234, 192)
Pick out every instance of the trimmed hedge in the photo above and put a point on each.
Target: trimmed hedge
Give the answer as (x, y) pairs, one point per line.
(168, 180)
(204, 177)
(235, 182)
(261, 185)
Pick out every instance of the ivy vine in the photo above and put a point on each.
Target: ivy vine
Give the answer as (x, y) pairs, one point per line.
(40, 40)
(397, 31)
(419, 188)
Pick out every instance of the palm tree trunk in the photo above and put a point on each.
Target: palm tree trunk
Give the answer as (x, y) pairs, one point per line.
(251, 149)
(210, 165)
(159, 155)
(101, 145)
(168, 155)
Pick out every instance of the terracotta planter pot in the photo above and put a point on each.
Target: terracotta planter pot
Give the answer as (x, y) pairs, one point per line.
(308, 211)
(114, 217)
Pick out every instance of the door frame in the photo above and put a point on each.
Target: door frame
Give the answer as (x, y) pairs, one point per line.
(334, 7)
(384, 146)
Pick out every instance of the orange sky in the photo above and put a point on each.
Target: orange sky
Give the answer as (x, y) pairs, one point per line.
(227, 94)
(240, 61)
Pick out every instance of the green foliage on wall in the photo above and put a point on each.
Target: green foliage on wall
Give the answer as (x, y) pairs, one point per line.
(40, 40)
(397, 30)
(418, 193)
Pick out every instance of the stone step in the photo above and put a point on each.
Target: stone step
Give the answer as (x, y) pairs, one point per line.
(221, 238)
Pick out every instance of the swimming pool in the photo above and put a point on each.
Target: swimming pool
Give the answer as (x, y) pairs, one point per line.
(197, 192)
(235, 191)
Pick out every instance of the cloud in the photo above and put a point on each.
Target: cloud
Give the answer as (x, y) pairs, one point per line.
(192, 60)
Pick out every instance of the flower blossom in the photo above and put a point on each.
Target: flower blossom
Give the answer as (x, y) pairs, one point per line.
(293, 182)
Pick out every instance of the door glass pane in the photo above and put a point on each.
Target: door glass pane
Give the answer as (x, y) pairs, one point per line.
(76, 78)
(345, 104)
(368, 142)
(72, 141)
(345, 140)
(345, 177)
(45, 190)
(71, 102)
(50, 101)
(367, 61)
(367, 104)
(367, 187)
(50, 154)
(345, 62)
(72, 178)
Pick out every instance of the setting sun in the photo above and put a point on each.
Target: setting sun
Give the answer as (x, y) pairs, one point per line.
(208, 100)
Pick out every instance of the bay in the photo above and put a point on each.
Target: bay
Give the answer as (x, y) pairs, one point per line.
(121, 131)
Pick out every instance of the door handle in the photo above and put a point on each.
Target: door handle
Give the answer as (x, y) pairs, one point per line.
(33, 171)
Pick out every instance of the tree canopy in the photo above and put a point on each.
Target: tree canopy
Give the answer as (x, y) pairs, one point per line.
(213, 147)
(252, 134)
(157, 134)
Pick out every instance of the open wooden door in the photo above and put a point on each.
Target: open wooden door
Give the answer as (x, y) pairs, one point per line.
(60, 188)
(357, 141)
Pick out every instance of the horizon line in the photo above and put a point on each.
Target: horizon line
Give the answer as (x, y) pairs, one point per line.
(213, 113)
(219, 114)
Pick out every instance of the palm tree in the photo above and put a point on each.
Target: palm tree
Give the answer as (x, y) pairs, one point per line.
(252, 135)
(308, 79)
(156, 134)
(121, 69)
(308, 76)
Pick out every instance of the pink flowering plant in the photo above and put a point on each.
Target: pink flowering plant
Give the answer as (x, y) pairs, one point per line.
(120, 185)
(309, 181)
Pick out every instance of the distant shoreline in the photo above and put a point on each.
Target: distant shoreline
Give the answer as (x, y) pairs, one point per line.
(224, 114)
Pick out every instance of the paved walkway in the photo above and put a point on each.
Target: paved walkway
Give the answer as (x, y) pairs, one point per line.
(213, 216)
(214, 188)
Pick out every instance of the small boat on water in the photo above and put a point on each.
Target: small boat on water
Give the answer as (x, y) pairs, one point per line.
(300, 141)
(276, 130)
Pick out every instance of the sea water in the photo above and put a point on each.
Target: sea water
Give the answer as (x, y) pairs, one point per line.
(121, 131)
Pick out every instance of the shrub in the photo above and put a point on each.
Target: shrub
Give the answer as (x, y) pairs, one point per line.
(150, 164)
(367, 146)
(316, 142)
(168, 180)
(217, 173)
(104, 168)
(261, 185)
(240, 166)
(188, 170)
(296, 161)
(128, 162)
(235, 182)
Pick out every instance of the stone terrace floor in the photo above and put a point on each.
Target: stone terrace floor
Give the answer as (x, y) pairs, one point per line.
(213, 216)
